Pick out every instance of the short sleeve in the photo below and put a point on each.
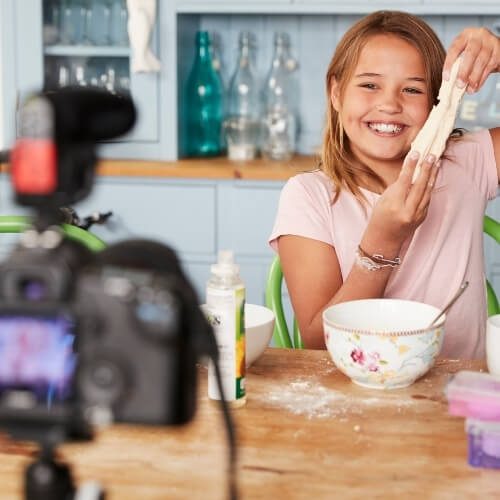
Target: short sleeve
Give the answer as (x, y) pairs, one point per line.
(476, 153)
(304, 209)
(491, 176)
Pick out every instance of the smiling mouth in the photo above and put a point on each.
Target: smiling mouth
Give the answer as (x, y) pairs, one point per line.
(387, 129)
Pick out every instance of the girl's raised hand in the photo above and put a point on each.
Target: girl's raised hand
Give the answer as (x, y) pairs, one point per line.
(402, 207)
(480, 49)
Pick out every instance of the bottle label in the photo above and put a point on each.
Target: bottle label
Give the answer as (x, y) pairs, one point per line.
(225, 312)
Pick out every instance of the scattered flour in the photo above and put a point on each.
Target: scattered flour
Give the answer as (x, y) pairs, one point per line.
(310, 398)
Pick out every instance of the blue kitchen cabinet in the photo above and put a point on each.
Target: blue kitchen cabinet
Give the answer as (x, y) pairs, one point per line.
(314, 26)
(34, 57)
(197, 218)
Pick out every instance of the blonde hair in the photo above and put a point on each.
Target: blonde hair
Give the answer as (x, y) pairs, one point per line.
(337, 159)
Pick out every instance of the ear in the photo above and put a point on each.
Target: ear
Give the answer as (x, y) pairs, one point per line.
(334, 95)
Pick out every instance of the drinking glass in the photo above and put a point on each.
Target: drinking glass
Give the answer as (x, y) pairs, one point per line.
(242, 136)
(123, 75)
(79, 72)
(94, 72)
(51, 22)
(493, 344)
(72, 15)
(118, 32)
(98, 22)
(62, 72)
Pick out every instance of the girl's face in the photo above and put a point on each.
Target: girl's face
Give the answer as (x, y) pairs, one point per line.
(385, 102)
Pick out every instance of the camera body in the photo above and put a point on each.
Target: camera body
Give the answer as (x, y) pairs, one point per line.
(89, 338)
(139, 343)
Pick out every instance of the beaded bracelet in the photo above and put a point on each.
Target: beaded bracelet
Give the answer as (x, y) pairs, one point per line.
(376, 261)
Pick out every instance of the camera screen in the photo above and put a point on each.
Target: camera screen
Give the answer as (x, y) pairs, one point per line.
(37, 355)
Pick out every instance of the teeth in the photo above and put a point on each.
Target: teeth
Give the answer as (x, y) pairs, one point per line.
(386, 127)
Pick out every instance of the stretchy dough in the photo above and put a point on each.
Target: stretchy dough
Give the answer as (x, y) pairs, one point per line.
(435, 132)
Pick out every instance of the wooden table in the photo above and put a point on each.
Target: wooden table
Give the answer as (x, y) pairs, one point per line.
(305, 432)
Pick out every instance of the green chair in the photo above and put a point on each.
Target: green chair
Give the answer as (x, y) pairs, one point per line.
(18, 223)
(281, 335)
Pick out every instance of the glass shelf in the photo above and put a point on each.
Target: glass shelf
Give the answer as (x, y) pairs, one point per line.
(86, 51)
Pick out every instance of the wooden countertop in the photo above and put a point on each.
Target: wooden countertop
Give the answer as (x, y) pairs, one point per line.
(206, 168)
(306, 432)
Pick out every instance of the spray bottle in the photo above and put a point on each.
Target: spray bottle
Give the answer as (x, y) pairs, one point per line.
(225, 309)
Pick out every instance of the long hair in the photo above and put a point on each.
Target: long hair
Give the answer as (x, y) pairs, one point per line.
(337, 158)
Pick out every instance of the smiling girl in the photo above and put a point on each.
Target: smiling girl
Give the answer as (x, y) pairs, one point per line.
(357, 227)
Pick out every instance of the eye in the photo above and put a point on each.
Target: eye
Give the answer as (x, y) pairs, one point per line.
(413, 90)
(370, 86)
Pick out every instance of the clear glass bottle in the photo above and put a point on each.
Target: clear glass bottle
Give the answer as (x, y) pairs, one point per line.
(279, 123)
(217, 59)
(243, 123)
(203, 103)
(225, 309)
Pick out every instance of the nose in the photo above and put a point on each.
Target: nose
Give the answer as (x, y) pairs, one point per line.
(389, 102)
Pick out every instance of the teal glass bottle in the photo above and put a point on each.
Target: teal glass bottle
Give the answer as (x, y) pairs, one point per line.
(203, 103)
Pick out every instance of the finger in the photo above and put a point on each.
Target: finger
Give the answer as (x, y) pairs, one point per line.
(481, 65)
(470, 57)
(406, 174)
(456, 48)
(491, 67)
(426, 198)
(417, 191)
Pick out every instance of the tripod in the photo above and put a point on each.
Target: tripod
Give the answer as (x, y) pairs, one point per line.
(47, 478)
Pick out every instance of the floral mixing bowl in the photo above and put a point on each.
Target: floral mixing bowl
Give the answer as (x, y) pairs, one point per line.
(383, 343)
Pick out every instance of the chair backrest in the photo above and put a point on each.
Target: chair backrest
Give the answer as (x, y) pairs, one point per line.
(18, 223)
(281, 334)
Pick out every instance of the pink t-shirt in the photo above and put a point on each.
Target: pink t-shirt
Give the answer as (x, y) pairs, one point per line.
(446, 249)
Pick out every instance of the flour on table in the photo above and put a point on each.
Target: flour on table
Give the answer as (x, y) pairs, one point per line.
(308, 397)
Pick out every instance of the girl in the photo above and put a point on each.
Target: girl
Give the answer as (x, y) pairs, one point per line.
(357, 227)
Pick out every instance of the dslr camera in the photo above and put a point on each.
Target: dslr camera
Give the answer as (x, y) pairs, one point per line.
(88, 338)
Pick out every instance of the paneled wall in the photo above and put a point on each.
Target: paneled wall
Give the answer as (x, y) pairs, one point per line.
(313, 39)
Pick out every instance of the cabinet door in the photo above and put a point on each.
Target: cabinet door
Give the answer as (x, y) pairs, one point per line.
(246, 212)
(54, 48)
(245, 217)
(179, 213)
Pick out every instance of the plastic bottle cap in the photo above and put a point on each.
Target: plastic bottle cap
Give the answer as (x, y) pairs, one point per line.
(225, 263)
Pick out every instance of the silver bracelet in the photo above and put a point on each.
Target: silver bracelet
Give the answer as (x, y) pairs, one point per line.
(376, 261)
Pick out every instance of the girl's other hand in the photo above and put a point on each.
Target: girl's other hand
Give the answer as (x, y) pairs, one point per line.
(403, 206)
(480, 49)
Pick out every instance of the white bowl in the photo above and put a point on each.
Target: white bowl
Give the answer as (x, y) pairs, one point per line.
(383, 343)
(259, 326)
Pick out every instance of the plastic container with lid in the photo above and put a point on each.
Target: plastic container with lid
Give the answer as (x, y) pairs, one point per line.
(474, 395)
(483, 443)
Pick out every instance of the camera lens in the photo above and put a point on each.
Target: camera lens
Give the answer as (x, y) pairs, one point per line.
(103, 381)
(104, 375)
(33, 289)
